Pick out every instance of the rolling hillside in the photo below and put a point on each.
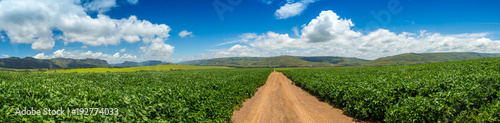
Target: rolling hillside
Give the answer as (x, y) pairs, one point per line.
(279, 61)
(331, 61)
(423, 58)
(252, 62)
(32, 63)
(139, 64)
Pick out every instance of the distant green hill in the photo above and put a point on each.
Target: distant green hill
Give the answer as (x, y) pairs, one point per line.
(32, 63)
(340, 61)
(330, 61)
(139, 64)
(279, 61)
(423, 58)
(250, 62)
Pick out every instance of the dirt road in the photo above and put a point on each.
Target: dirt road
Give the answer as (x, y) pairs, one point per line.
(278, 101)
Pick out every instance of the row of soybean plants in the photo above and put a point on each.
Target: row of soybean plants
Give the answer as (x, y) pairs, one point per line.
(461, 91)
(175, 96)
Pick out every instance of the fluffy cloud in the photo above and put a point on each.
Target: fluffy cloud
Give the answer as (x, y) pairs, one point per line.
(385, 43)
(234, 51)
(23, 22)
(100, 6)
(276, 41)
(106, 31)
(292, 8)
(330, 35)
(33, 22)
(5, 56)
(238, 50)
(158, 51)
(62, 53)
(329, 27)
(185, 33)
(123, 50)
(242, 50)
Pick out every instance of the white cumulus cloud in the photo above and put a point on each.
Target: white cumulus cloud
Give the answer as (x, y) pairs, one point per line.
(123, 50)
(330, 35)
(158, 51)
(106, 31)
(276, 41)
(329, 27)
(235, 51)
(185, 33)
(100, 6)
(62, 53)
(33, 22)
(292, 8)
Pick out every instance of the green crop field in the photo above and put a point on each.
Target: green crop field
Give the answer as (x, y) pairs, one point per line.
(175, 96)
(136, 69)
(462, 91)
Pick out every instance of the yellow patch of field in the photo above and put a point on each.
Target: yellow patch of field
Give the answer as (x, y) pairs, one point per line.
(137, 69)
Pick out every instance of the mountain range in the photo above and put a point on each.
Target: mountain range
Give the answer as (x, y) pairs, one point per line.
(254, 62)
(32, 63)
(424, 58)
(330, 61)
(279, 61)
(139, 64)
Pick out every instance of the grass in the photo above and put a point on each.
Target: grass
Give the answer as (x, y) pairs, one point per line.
(136, 69)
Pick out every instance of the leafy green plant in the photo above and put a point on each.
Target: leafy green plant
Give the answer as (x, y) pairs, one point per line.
(440, 92)
(174, 96)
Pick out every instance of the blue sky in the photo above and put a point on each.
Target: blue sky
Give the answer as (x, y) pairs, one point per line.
(354, 28)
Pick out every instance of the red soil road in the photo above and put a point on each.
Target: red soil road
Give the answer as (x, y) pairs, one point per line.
(279, 101)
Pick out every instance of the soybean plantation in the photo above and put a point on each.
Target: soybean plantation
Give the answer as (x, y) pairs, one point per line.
(461, 91)
(173, 96)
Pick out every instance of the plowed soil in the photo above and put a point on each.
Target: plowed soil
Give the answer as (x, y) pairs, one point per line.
(279, 101)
